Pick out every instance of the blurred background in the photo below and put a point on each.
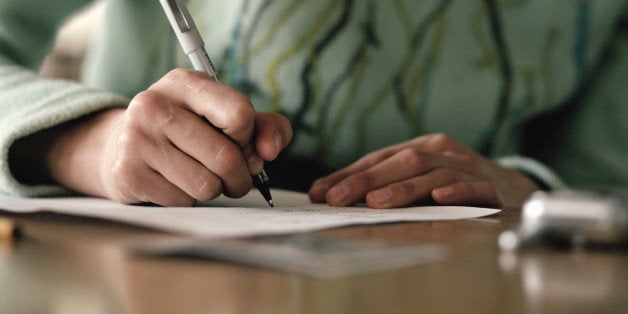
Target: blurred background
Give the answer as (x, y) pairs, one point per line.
(72, 41)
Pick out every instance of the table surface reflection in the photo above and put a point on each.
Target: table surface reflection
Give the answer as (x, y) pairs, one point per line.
(68, 264)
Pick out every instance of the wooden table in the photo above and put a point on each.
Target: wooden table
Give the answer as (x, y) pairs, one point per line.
(74, 265)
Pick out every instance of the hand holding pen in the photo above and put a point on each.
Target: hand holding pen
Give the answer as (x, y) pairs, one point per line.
(185, 138)
(192, 43)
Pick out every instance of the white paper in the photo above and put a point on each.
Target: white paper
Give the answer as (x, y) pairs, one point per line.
(248, 216)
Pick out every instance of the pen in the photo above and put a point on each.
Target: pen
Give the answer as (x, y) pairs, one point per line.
(193, 46)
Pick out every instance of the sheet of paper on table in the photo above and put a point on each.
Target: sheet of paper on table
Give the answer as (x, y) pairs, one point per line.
(247, 231)
(248, 216)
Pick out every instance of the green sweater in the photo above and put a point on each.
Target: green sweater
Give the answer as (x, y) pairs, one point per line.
(537, 85)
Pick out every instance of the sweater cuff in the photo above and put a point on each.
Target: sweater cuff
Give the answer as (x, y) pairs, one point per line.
(56, 109)
(537, 171)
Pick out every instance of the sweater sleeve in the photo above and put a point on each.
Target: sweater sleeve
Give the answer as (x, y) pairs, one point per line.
(586, 143)
(30, 103)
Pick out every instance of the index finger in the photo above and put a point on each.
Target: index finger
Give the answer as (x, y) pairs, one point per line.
(321, 186)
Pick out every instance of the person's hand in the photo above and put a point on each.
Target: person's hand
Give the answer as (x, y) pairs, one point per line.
(428, 168)
(163, 149)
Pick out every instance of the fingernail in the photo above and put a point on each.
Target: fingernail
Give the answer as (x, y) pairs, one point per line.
(445, 192)
(338, 194)
(381, 196)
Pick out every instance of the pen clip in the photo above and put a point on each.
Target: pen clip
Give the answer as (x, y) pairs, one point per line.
(179, 16)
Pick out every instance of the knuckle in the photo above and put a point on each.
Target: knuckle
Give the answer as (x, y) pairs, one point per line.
(185, 80)
(228, 158)
(414, 159)
(178, 74)
(144, 101)
(440, 138)
(241, 112)
(364, 180)
(150, 106)
(202, 87)
(440, 141)
(404, 189)
(207, 186)
(243, 102)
